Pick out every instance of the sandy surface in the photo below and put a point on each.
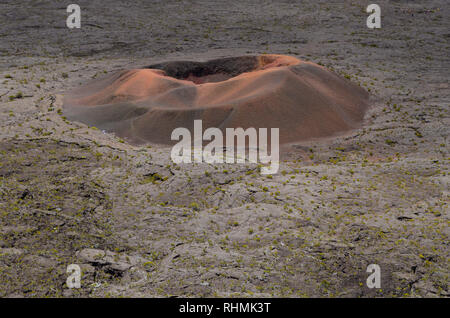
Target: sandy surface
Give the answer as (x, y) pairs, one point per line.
(139, 225)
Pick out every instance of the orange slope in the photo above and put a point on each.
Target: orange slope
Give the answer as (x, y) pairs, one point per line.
(302, 99)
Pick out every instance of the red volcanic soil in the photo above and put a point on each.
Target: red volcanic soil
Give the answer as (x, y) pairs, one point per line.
(302, 99)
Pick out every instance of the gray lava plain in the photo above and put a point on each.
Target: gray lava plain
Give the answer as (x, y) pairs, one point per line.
(141, 226)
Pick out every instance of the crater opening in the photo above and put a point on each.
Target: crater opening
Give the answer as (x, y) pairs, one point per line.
(219, 70)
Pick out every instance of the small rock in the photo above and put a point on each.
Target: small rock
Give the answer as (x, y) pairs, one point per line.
(91, 255)
(11, 251)
(26, 193)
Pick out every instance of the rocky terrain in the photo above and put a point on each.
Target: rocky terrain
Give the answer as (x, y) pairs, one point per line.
(140, 226)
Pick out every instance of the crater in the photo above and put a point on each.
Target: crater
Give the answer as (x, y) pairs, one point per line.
(219, 70)
(304, 100)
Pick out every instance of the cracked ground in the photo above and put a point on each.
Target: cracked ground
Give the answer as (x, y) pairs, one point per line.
(140, 226)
